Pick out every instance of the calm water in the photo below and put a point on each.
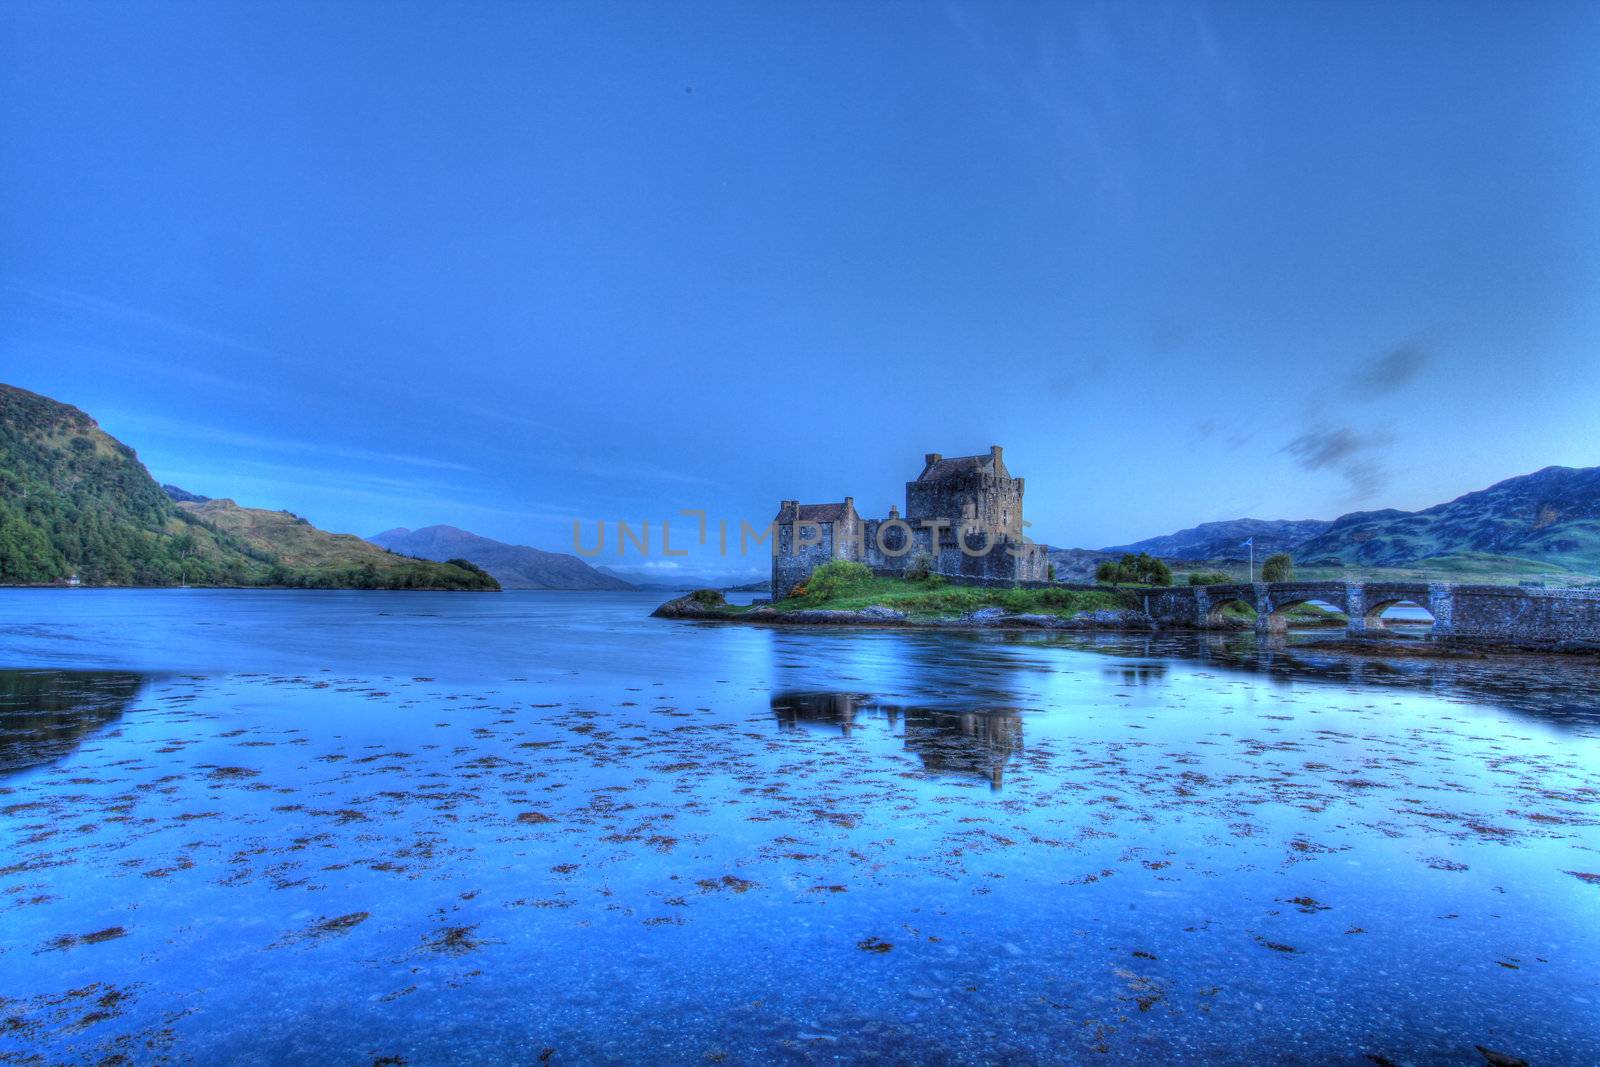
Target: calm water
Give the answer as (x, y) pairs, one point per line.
(271, 827)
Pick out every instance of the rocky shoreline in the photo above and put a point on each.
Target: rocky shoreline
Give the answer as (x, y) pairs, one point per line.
(693, 607)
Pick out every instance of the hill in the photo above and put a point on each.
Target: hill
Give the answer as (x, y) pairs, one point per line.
(313, 558)
(75, 501)
(516, 566)
(1550, 517)
(1225, 540)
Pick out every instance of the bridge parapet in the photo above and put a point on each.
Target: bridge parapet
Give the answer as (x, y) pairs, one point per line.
(1499, 614)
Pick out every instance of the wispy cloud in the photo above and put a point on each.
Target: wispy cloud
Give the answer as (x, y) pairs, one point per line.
(1389, 373)
(1345, 450)
(83, 302)
(202, 434)
(420, 501)
(1353, 451)
(172, 329)
(636, 470)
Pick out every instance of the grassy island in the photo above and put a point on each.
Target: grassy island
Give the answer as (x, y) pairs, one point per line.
(844, 591)
(827, 590)
(842, 586)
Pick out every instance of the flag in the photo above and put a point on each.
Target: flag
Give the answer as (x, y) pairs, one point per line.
(1248, 544)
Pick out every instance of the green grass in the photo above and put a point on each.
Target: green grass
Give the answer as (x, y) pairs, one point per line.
(932, 598)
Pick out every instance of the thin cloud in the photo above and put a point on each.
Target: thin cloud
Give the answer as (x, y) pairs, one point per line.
(138, 319)
(1346, 451)
(84, 302)
(629, 470)
(1389, 373)
(196, 432)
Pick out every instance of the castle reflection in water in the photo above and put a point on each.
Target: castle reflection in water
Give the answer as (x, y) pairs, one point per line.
(969, 743)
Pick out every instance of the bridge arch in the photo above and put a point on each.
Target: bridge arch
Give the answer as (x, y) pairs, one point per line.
(1278, 620)
(1218, 616)
(1376, 614)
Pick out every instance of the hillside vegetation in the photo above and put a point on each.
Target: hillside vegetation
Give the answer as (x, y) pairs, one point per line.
(74, 501)
(1540, 527)
(1550, 518)
(312, 558)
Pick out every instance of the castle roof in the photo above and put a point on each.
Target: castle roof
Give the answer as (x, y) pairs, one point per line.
(943, 469)
(793, 511)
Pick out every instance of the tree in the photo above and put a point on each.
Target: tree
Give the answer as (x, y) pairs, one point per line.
(1140, 569)
(1279, 567)
(1050, 572)
(1145, 569)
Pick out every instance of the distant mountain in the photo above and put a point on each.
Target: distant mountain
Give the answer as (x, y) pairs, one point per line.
(1225, 540)
(75, 501)
(683, 583)
(516, 566)
(1552, 515)
(182, 496)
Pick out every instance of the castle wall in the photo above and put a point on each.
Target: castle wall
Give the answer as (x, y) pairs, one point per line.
(979, 499)
(986, 499)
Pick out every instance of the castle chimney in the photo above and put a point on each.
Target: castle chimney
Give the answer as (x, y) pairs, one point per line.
(850, 503)
(931, 458)
(994, 454)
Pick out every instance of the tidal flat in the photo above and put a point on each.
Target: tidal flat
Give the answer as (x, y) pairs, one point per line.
(271, 827)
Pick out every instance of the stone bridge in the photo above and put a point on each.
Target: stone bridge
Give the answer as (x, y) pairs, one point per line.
(1496, 614)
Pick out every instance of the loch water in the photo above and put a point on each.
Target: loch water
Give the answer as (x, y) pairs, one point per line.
(426, 828)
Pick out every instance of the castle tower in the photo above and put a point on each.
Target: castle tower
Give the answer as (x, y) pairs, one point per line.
(966, 490)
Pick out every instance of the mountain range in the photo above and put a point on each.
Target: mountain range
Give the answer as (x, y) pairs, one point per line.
(76, 503)
(1550, 518)
(515, 566)
(1225, 540)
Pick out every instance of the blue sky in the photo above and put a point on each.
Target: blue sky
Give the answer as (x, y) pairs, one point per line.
(501, 266)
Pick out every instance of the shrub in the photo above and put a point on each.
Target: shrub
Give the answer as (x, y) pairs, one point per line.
(708, 598)
(1050, 572)
(921, 567)
(835, 576)
(1209, 578)
(1279, 567)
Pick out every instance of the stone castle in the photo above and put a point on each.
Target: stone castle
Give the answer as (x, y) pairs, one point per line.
(963, 520)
